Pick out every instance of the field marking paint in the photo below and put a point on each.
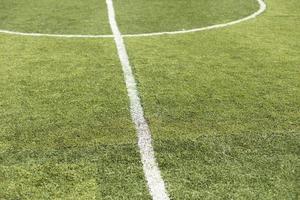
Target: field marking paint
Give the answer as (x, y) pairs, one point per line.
(155, 182)
(262, 8)
(55, 35)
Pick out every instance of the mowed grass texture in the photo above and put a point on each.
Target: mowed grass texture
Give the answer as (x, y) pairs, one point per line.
(65, 130)
(144, 16)
(224, 106)
(133, 16)
(55, 16)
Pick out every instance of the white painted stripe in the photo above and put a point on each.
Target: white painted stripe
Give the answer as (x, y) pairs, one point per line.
(55, 35)
(262, 8)
(155, 182)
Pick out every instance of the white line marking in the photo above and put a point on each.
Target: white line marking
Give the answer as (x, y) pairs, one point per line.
(55, 35)
(262, 8)
(155, 182)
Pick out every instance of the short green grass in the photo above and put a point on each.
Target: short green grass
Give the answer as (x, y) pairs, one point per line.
(55, 16)
(134, 16)
(224, 107)
(65, 125)
(144, 16)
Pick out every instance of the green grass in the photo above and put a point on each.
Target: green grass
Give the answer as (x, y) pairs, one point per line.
(65, 126)
(55, 16)
(223, 106)
(143, 16)
(134, 16)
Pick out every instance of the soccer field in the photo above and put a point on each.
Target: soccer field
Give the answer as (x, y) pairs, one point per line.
(157, 99)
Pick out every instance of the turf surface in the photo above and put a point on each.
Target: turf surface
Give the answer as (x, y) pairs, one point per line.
(55, 16)
(143, 16)
(65, 126)
(223, 106)
(133, 16)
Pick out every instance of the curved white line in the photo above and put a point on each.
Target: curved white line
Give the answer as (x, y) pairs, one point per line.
(262, 8)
